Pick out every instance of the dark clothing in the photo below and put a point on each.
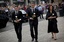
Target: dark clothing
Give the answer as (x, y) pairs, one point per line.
(18, 30)
(34, 29)
(63, 9)
(60, 11)
(3, 12)
(52, 23)
(19, 16)
(3, 19)
(33, 23)
(41, 16)
(30, 13)
(18, 26)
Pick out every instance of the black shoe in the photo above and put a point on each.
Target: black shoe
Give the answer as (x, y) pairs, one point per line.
(36, 41)
(32, 39)
(19, 40)
(52, 37)
(55, 39)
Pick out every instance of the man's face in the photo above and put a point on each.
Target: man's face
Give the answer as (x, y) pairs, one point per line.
(32, 5)
(16, 8)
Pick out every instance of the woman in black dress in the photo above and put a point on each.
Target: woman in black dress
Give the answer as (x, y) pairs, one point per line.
(52, 21)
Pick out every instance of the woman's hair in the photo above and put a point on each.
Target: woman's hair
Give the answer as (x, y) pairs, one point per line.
(49, 8)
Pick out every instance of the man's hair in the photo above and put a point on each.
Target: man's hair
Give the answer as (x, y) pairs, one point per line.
(16, 5)
(32, 2)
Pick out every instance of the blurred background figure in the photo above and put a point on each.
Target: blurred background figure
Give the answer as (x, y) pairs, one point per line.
(23, 8)
(3, 17)
(41, 9)
(63, 7)
(60, 9)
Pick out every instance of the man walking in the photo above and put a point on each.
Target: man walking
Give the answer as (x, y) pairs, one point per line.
(33, 14)
(17, 21)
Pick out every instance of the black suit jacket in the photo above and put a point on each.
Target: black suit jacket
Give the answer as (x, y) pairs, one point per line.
(19, 16)
(30, 14)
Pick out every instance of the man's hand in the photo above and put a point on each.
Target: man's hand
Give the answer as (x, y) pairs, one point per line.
(34, 16)
(17, 20)
(26, 15)
(31, 18)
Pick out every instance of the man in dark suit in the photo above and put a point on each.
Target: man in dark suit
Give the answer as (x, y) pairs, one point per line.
(33, 14)
(17, 21)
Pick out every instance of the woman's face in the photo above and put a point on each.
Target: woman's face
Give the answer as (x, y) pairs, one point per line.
(51, 8)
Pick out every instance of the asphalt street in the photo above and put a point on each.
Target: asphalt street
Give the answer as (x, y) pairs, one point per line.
(8, 34)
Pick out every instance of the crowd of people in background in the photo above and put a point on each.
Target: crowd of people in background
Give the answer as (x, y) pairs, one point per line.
(43, 8)
(18, 13)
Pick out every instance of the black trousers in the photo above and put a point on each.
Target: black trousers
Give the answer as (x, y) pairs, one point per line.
(18, 30)
(34, 29)
(41, 16)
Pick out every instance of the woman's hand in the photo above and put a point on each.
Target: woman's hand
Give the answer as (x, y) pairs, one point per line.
(52, 17)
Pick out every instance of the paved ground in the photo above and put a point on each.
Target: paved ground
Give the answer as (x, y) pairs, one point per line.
(10, 36)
